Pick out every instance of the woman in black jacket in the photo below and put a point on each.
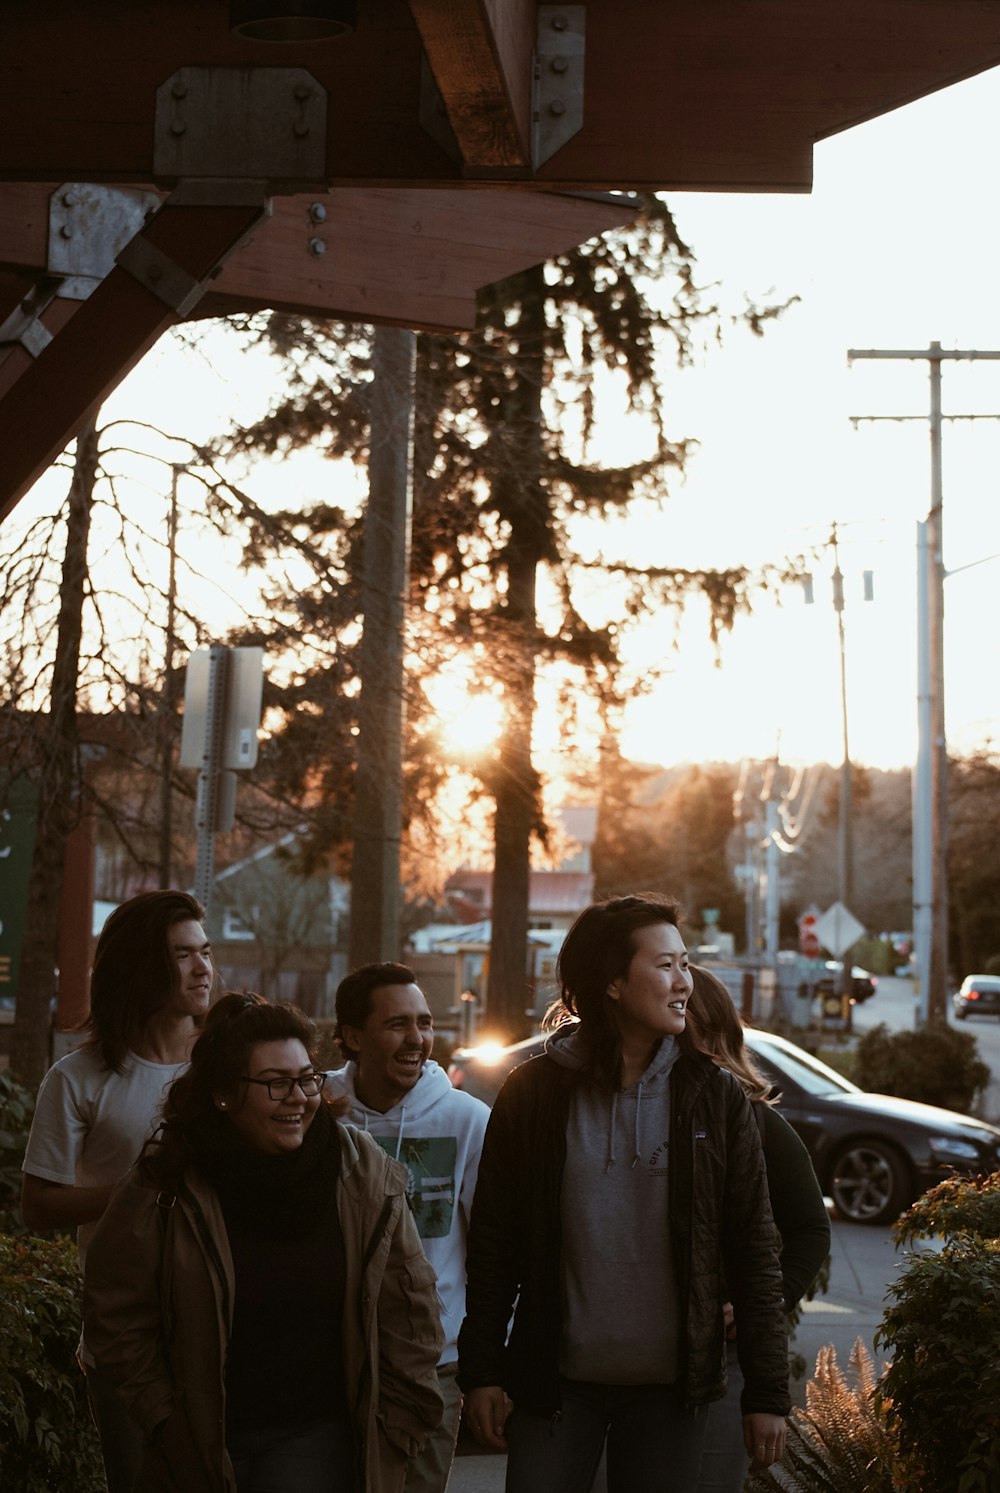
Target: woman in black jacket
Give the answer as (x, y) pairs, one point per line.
(621, 1182)
(796, 1201)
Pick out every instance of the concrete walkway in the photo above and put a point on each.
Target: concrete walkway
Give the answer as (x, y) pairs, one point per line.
(864, 1264)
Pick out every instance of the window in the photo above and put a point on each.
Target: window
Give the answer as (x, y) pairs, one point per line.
(234, 929)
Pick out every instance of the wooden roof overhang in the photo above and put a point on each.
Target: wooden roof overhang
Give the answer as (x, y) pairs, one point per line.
(386, 175)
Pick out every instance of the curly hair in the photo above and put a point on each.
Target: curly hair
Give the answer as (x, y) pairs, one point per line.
(233, 1027)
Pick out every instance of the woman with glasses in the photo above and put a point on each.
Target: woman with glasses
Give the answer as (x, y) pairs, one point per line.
(256, 1290)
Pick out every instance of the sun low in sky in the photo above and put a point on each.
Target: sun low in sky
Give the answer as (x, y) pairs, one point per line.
(896, 246)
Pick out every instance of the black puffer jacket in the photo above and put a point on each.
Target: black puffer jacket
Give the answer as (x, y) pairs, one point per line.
(721, 1222)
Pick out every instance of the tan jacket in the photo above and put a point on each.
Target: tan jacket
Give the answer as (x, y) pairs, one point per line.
(158, 1297)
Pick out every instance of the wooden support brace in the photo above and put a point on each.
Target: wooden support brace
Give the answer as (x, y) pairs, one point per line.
(108, 334)
(480, 52)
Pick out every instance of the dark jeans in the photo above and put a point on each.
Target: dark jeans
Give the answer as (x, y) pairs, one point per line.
(653, 1443)
(121, 1439)
(310, 1459)
(724, 1458)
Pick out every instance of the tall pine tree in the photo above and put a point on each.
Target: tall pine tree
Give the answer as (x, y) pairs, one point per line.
(505, 418)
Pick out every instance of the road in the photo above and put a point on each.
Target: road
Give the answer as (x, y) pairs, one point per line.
(863, 1258)
(894, 1003)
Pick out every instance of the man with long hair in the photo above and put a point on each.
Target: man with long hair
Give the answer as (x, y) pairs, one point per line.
(151, 987)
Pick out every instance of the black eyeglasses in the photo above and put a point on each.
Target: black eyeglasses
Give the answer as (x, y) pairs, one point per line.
(311, 1084)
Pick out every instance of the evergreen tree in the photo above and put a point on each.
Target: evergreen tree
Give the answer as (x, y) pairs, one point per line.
(503, 488)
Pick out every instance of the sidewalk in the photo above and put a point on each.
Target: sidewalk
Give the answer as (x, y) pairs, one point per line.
(864, 1264)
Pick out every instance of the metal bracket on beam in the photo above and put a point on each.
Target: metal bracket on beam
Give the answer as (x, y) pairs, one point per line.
(155, 270)
(24, 326)
(557, 105)
(88, 226)
(261, 122)
(158, 273)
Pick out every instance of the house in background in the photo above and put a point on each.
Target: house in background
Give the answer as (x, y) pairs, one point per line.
(451, 960)
(279, 933)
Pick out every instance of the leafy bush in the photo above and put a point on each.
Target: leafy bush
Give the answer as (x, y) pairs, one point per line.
(839, 1443)
(47, 1438)
(17, 1105)
(959, 1205)
(941, 1393)
(876, 955)
(935, 1064)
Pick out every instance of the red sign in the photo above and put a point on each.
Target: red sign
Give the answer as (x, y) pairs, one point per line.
(809, 943)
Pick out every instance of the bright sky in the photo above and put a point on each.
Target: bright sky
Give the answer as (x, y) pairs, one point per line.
(896, 246)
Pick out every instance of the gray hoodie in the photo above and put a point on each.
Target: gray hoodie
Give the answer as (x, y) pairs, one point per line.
(619, 1293)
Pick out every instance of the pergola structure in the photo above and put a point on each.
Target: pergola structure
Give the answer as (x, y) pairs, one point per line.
(155, 165)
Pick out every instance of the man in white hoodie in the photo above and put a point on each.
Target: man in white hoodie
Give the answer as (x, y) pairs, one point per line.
(406, 1103)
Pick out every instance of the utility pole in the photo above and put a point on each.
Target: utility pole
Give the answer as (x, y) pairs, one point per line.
(772, 864)
(375, 888)
(845, 836)
(930, 841)
(169, 698)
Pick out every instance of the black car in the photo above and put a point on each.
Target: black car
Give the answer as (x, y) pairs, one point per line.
(873, 1154)
(978, 995)
(863, 984)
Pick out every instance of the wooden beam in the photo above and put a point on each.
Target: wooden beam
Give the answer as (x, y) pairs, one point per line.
(480, 52)
(42, 411)
(409, 256)
(413, 257)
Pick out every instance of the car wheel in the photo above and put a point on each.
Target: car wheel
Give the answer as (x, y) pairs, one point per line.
(960, 1015)
(870, 1182)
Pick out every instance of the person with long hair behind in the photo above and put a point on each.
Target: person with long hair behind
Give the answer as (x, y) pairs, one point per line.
(796, 1202)
(151, 987)
(621, 1180)
(256, 1291)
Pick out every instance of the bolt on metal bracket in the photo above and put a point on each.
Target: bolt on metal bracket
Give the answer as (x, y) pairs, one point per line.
(88, 225)
(158, 273)
(155, 270)
(24, 327)
(242, 122)
(557, 104)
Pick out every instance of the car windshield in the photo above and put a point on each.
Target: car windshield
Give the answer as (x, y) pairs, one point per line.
(801, 1068)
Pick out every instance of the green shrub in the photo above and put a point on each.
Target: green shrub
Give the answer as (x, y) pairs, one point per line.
(17, 1105)
(941, 1392)
(876, 955)
(48, 1443)
(935, 1064)
(840, 1059)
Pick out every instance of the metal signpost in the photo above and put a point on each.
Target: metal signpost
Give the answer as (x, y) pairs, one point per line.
(222, 703)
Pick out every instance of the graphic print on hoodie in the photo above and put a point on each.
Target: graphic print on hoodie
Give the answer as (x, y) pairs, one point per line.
(436, 1132)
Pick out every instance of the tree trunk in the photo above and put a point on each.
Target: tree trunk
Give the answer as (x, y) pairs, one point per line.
(378, 814)
(524, 504)
(58, 786)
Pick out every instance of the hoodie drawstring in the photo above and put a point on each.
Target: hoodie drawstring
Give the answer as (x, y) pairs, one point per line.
(636, 1147)
(635, 1139)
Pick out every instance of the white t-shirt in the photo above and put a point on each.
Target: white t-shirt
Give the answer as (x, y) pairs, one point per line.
(91, 1123)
